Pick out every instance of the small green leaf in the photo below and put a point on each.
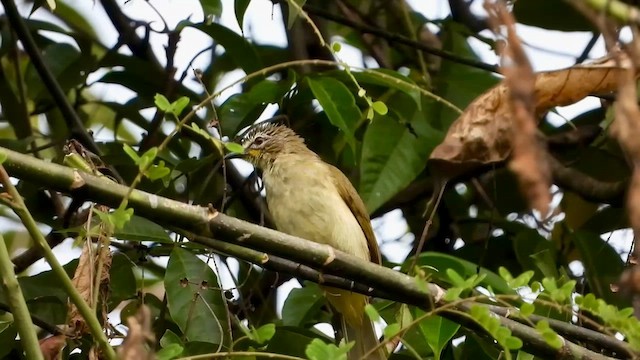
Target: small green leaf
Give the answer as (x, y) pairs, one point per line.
(121, 216)
(319, 350)
(147, 158)
(162, 103)
(156, 172)
(455, 278)
(234, 147)
(132, 153)
(380, 107)
(336, 46)
(264, 333)
(513, 343)
(526, 309)
(179, 105)
(372, 313)
(452, 294)
(391, 330)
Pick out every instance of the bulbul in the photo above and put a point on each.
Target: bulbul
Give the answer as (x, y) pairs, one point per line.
(313, 200)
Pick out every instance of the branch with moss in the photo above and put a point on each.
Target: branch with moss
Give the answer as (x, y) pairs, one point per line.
(269, 248)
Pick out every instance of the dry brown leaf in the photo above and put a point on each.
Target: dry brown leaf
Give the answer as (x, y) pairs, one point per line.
(51, 347)
(482, 133)
(136, 345)
(84, 281)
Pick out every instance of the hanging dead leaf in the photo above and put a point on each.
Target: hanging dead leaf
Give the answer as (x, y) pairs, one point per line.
(482, 134)
(84, 279)
(52, 346)
(136, 345)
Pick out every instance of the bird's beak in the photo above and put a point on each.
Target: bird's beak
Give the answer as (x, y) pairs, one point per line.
(235, 155)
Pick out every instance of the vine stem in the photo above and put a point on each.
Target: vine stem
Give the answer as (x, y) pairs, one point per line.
(30, 224)
(19, 309)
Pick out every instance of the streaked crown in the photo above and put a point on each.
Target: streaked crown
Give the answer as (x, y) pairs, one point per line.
(264, 142)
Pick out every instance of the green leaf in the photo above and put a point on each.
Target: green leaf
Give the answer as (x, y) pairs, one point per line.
(391, 330)
(338, 104)
(240, 7)
(242, 109)
(147, 158)
(234, 147)
(156, 172)
(602, 265)
(141, 229)
(372, 313)
(394, 152)
(121, 216)
(535, 252)
(169, 338)
(551, 14)
(179, 105)
(169, 352)
(302, 304)
(437, 331)
(3, 157)
(162, 103)
(380, 107)
(131, 153)
(455, 278)
(513, 343)
(264, 333)
(465, 268)
(194, 301)
(294, 12)
(240, 50)
(211, 8)
(319, 350)
(526, 309)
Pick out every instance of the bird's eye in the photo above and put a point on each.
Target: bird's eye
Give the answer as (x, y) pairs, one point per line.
(258, 142)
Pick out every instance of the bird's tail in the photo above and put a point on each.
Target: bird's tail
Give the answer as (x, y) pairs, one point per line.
(355, 324)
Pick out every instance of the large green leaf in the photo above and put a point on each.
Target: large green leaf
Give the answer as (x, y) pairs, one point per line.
(240, 7)
(394, 152)
(438, 331)
(551, 14)
(211, 8)
(302, 304)
(242, 109)
(602, 265)
(534, 252)
(242, 52)
(141, 229)
(338, 103)
(193, 298)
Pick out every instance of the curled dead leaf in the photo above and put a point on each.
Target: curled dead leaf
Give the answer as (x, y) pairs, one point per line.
(51, 347)
(482, 133)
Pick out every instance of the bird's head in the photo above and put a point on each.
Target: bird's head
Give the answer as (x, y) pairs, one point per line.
(263, 143)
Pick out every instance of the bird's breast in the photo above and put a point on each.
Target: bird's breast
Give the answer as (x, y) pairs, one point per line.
(304, 202)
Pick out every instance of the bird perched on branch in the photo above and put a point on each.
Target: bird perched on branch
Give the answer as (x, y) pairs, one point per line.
(313, 200)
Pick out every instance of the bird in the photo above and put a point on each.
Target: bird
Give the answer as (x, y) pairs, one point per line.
(314, 200)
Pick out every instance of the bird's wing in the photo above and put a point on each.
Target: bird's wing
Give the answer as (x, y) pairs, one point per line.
(358, 209)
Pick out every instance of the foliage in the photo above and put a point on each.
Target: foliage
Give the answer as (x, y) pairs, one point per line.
(378, 123)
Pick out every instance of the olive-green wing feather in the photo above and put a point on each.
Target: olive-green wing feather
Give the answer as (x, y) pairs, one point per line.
(359, 210)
